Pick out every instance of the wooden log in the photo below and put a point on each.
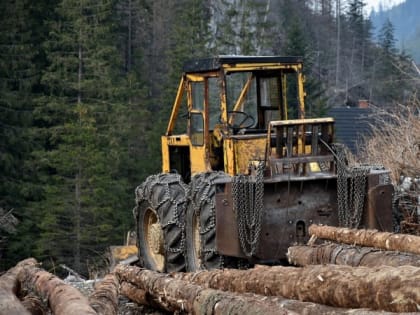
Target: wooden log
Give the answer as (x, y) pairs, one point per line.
(62, 298)
(10, 304)
(394, 289)
(34, 305)
(180, 296)
(135, 294)
(10, 288)
(140, 296)
(370, 238)
(104, 300)
(339, 254)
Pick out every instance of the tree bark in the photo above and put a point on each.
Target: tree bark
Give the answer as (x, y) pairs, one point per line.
(349, 255)
(394, 289)
(10, 288)
(177, 295)
(63, 299)
(34, 305)
(104, 300)
(135, 294)
(308, 308)
(371, 238)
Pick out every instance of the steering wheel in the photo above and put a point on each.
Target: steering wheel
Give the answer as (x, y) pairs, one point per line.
(239, 120)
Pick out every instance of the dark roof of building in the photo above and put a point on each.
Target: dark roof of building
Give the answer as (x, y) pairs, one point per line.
(214, 63)
(352, 125)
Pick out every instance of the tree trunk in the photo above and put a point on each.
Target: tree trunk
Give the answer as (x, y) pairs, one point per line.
(371, 238)
(394, 289)
(63, 299)
(135, 294)
(10, 288)
(104, 300)
(349, 255)
(177, 295)
(10, 304)
(308, 308)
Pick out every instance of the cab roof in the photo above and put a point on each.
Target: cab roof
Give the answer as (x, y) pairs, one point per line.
(215, 63)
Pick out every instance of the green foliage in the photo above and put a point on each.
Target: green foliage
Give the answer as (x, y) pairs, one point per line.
(87, 88)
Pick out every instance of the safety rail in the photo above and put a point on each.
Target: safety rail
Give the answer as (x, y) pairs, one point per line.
(301, 148)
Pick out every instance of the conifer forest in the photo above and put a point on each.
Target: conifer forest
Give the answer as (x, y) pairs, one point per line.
(87, 87)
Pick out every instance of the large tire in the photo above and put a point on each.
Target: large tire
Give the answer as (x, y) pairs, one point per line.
(201, 225)
(161, 205)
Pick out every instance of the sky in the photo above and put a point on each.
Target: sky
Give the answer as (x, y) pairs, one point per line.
(385, 3)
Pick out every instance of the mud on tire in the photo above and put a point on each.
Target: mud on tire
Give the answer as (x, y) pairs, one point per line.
(159, 215)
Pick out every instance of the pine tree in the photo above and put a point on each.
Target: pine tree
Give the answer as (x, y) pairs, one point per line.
(357, 52)
(84, 195)
(21, 61)
(387, 87)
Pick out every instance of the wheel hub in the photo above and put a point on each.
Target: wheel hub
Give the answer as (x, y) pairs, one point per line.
(156, 239)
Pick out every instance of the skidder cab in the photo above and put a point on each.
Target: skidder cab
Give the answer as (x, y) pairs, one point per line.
(245, 173)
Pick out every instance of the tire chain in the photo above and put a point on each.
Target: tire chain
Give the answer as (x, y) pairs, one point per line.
(206, 180)
(248, 194)
(142, 194)
(351, 188)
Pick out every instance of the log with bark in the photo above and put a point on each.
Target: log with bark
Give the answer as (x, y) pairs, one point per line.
(34, 305)
(370, 238)
(104, 300)
(10, 289)
(394, 289)
(141, 297)
(331, 253)
(180, 296)
(63, 299)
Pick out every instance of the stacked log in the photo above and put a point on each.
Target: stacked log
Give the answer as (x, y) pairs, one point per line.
(63, 299)
(370, 238)
(394, 289)
(156, 296)
(332, 253)
(27, 289)
(104, 300)
(176, 295)
(10, 288)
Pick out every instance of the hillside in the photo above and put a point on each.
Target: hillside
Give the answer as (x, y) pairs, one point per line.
(404, 18)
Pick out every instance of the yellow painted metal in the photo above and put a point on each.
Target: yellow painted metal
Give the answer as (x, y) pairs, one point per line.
(165, 154)
(237, 152)
(175, 108)
(247, 150)
(284, 93)
(119, 253)
(301, 96)
(154, 238)
(200, 161)
(229, 156)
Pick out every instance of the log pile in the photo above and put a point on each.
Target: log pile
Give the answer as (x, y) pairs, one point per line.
(331, 278)
(341, 254)
(28, 289)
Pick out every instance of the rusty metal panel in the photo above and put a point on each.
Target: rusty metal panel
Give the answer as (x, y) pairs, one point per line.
(378, 208)
(289, 209)
(227, 236)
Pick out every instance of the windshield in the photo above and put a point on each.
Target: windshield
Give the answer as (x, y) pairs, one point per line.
(264, 95)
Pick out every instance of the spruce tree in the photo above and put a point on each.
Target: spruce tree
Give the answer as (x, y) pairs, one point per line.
(83, 209)
(387, 87)
(21, 62)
